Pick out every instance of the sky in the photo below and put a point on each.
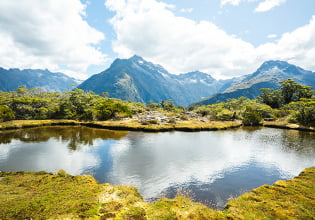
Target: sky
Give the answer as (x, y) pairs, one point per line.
(224, 38)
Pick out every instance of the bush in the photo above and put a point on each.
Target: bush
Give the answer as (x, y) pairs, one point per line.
(251, 117)
(110, 109)
(172, 121)
(306, 116)
(225, 115)
(6, 113)
(184, 117)
(154, 121)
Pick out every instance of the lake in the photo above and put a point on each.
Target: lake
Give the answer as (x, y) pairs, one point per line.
(210, 167)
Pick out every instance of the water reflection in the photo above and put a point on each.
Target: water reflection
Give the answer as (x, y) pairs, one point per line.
(74, 135)
(210, 167)
(72, 148)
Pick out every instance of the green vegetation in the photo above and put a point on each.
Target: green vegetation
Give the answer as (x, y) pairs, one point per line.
(6, 114)
(249, 111)
(30, 104)
(290, 199)
(293, 103)
(41, 195)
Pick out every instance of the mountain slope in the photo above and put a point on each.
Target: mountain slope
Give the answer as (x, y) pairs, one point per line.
(267, 75)
(11, 79)
(137, 80)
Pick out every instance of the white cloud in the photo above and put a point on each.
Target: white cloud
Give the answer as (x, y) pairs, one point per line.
(268, 5)
(271, 36)
(263, 6)
(297, 47)
(47, 34)
(234, 2)
(186, 10)
(149, 29)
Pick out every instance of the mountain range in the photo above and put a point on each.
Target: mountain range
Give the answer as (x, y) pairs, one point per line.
(11, 79)
(138, 80)
(267, 75)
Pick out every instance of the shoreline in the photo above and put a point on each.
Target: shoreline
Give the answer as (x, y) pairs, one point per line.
(42, 195)
(131, 125)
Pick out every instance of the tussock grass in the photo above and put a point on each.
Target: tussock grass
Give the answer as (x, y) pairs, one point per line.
(41, 195)
(128, 125)
(284, 124)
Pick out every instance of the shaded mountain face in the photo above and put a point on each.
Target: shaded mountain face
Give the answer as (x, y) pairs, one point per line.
(267, 75)
(12, 79)
(137, 80)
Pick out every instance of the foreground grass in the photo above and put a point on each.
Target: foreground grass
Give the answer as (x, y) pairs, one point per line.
(25, 195)
(129, 125)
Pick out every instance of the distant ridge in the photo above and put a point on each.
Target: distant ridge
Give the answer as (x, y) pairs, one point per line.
(267, 75)
(12, 79)
(138, 80)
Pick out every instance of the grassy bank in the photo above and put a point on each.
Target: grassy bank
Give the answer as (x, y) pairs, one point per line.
(283, 124)
(128, 125)
(25, 195)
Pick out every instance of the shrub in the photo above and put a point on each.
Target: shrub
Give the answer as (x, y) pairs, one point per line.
(226, 115)
(172, 121)
(184, 117)
(110, 109)
(153, 121)
(306, 116)
(251, 116)
(6, 113)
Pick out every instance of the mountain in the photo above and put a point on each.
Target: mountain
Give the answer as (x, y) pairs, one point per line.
(137, 80)
(267, 75)
(11, 79)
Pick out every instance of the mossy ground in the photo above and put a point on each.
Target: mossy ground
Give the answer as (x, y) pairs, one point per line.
(40, 195)
(128, 125)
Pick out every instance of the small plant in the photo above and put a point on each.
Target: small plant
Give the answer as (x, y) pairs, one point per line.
(184, 117)
(172, 121)
(62, 173)
(154, 121)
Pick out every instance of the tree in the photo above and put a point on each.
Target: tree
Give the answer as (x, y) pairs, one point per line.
(168, 105)
(271, 97)
(292, 91)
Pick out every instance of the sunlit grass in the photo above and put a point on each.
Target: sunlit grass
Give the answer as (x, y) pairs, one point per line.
(183, 125)
(283, 123)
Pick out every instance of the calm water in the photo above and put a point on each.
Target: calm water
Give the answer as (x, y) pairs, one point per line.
(210, 167)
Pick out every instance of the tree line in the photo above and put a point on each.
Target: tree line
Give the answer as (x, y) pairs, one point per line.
(292, 102)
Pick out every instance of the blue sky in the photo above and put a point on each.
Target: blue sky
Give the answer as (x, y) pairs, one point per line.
(224, 38)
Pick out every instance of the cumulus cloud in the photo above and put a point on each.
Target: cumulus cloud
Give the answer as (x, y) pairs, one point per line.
(263, 6)
(148, 28)
(271, 36)
(297, 47)
(234, 2)
(268, 5)
(47, 34)
(186, 10)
